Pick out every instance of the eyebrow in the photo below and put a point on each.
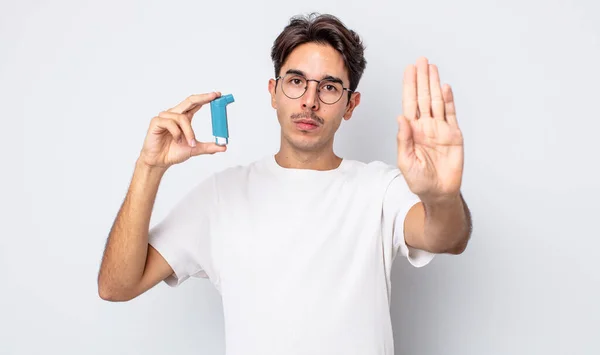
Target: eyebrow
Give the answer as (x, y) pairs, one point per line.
(326, 77)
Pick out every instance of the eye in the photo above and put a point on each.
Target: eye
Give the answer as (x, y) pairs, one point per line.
(295, 81)
(330, 88)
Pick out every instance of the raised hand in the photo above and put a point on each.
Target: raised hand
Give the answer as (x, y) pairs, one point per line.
(171, 139)
(430, 143)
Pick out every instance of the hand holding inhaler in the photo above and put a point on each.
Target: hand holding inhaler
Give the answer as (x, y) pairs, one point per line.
(170, 138)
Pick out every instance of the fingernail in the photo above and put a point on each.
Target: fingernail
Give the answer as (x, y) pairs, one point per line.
(192, 142)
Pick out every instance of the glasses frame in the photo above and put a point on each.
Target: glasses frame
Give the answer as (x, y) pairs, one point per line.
(318, 91)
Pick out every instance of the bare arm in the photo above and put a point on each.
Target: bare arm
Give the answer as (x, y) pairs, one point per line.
(130, 266)
(431, 158)
(443, 227)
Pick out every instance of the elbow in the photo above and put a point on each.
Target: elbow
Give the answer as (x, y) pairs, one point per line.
(105, 295)
(112, 294)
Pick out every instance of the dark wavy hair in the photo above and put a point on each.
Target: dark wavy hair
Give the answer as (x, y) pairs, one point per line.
(322, 29)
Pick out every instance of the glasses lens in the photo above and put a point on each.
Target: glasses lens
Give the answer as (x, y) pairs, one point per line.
(330, 92)
(293, 85)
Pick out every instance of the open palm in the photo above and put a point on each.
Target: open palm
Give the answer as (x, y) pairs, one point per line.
(430, 143)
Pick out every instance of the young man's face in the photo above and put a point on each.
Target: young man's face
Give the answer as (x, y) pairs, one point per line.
(308, 124)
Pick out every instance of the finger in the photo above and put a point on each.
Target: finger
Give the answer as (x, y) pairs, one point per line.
(192, 112)
(449, 106)
(423, 94)
(207, 148)
(406, 145)
(184, 123)
(437, 101)
(409, 93)
(193, 101)
(163, 124)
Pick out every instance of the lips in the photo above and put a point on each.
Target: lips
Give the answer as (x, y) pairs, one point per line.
(306, 121)
(306, 125)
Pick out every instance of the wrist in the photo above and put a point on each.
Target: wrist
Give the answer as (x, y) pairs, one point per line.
(442, 201)
(147, 170)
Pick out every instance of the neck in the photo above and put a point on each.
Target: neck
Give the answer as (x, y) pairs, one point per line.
(313, 160)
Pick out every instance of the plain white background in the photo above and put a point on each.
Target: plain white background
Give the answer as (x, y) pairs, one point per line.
(80, 81)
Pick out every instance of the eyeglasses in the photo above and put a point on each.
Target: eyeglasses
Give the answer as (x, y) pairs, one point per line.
(295, 85)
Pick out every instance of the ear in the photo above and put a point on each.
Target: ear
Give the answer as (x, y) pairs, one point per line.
(272, 84)
(354, 101)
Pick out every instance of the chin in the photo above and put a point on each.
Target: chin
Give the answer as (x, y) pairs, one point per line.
(305, 142)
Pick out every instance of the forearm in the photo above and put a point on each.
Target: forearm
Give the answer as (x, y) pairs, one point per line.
(127, 245)
(448, 225)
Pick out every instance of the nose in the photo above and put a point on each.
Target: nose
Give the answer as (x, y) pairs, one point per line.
(311, 96)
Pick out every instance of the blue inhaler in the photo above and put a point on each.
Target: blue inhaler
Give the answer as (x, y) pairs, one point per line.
(218, 111)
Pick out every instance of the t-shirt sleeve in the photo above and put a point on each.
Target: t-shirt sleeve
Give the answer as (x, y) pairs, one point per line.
(398, 200)
(184, 237)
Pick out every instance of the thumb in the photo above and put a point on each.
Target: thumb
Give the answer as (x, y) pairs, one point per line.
(406, 146)
(207, 148)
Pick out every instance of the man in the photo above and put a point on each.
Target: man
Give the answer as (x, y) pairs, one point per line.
(300, 244)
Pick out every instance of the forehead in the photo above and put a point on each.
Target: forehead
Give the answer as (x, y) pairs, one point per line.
(316, 61)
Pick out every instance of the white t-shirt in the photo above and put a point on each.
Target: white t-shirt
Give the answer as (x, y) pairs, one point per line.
(302, 258)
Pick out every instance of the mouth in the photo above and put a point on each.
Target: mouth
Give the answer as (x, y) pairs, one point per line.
(306, 125)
